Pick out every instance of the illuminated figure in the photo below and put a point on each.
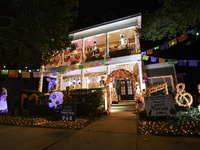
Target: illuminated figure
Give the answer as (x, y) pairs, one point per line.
(123, 39)
(3, 101)
(53, 84)
(56, 98)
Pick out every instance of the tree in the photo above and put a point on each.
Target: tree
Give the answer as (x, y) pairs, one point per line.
(175, 17)
(32, 30)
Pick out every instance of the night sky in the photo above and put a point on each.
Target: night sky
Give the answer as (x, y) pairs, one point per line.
(96, 10)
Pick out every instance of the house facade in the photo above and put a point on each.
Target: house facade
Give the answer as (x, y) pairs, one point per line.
(104, 56)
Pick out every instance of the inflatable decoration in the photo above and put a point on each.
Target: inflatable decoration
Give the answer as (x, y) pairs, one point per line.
(53, 84)
(55, 99)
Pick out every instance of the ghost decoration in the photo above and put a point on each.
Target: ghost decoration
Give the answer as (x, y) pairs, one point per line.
(3, 101)
(53, 84)
(55, 99)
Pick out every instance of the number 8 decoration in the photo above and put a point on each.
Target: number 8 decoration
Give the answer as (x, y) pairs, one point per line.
(179, 95)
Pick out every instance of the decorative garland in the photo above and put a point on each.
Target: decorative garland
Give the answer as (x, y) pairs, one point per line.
(179, 95)
(36, 98)
(23, 96)
(157, 87)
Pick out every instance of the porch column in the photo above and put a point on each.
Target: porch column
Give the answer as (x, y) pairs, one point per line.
(59, 82)
(107, 46)
(40, 83)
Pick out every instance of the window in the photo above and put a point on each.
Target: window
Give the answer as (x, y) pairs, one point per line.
(130, 88)
(123, 89)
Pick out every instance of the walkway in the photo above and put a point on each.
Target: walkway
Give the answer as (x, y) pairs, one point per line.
(116, 131)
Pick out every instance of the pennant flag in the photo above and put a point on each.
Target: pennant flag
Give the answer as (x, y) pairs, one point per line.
(13, 73)
(91, 65)
(155, 48)
(182, 62)
(45, 74)
(54, 73)
(153, 59)
(172, 42)
(86, 65)
(183, 37)
(36, 74)
(97, 63)
(193, 63)
(150, 51)
(193, 31)
(4, 72)
(60, 71)
(26, 75)
(171, 61)
(67, 70)
(73, 68)
(144, 53)
(163, 46)
(109, 60)
(80, 66)
(103, 62)
(161, 60)
(145, 57)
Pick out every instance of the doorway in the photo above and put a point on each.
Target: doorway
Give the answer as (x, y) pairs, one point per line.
(125, 89)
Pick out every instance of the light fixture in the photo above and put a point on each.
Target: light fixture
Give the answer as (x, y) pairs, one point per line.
(197, 33)
(4, 66)
(26, 67)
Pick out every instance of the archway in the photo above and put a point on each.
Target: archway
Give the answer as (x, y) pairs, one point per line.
(117, 74)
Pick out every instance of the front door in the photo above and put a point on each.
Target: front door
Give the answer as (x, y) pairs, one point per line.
(126, 90)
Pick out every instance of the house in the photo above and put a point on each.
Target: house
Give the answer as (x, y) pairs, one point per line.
(104, 56)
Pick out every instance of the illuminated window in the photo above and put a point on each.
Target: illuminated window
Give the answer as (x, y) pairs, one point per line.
(123, 89)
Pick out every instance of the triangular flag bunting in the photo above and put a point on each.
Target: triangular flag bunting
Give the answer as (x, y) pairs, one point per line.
(161, 60)
(171, 61)
(183, 37)
(172, 42)
(182, 62)
(13, 74)
(150, 51)
(145, 57)
(193, 63)
(26, 75)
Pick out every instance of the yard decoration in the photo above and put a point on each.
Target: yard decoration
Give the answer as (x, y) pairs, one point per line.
(67, 97)
(23, 96)
(180, 87)
(36, 98)
(56, 98)
(157, 87)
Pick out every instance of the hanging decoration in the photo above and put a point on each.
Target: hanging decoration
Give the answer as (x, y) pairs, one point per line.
(187, 97)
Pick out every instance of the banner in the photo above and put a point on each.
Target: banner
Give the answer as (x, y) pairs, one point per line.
(161, 60)
(183, 37)
(153, 59)
(86, 66)
(36, 74)
(97, 64)
(145, 57)
(150, 51)
(80, 67)
(171, 61)
(163, 46)
(193, 63)
(13, 74)
(26, 75)
(103, 62)
(172, 42)
(181, 62)
(4, 72)
(45, 74)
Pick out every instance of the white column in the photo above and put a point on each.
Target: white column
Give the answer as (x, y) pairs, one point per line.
(40, 86)
(107, 46)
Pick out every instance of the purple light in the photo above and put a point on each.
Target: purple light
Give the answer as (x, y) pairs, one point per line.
(3, 104)
(56, 98)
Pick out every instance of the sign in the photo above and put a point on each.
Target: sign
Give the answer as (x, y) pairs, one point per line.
(162, 105)
(68, 112)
